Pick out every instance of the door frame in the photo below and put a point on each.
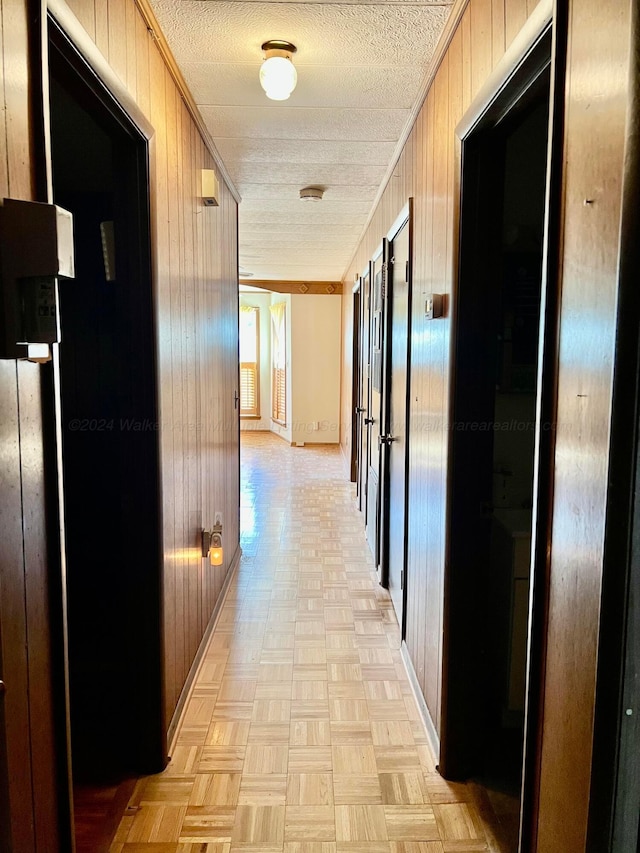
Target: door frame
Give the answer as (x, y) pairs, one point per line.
(405, 217)
(356, 383)
(148, 715)
(97, 75)
(373, 536)
(540, 44)
(364, 319)
(614, 805)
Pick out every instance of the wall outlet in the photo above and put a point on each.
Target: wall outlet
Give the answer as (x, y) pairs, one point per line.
(218, 519)
(315, 425)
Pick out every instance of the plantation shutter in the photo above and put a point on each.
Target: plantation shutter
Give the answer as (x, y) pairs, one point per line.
(249, 362)
(278, 363)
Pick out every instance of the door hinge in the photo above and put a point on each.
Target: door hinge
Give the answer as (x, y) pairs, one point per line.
(406, 272)
(402, 579)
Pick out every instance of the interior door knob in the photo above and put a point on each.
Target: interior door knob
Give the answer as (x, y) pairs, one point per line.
(360, 410)
(369, 420)
(386, 439)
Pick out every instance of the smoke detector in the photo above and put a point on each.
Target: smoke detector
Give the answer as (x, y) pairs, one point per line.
(311, 194)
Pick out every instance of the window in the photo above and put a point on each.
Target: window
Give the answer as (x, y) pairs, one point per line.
(278, 363)
(249, 362)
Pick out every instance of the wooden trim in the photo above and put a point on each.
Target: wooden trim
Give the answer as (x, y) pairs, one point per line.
(514, 75)
(400, 221)
(101, 67)
(185, 695)
(432, 732)
(330, 288)
(457, 11)
(615, 786)
(544, 460)
(144, 7)
(85, 45)
(501, 76)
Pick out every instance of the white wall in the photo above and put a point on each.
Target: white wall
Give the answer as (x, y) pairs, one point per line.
(284, 431)
(315, 368)
(262, 301)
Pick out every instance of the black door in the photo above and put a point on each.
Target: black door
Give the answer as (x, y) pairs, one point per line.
(395, 440)
(495, 424)
(109, 432)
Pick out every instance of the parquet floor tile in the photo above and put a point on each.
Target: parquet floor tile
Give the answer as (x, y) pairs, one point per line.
(301, 733)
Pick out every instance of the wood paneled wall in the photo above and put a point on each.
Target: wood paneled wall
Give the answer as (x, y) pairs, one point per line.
(425, 171)
(598, 64)
(595, 113)
(25, 652)
(195, 273)
(197, 308)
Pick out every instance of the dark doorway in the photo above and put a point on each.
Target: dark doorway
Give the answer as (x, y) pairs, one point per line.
(109, 433)
(493, 445)
(364, 420)
(356, 378)
(374, 410)
(395, 437)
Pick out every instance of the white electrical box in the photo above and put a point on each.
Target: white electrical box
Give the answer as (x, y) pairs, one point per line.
(433, 306)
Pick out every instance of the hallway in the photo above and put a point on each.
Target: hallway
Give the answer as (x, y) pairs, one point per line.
(302, 734)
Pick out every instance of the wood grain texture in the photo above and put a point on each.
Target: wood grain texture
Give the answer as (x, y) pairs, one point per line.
(590, 214)
(426, 170)
(25, 655)
(195, 270)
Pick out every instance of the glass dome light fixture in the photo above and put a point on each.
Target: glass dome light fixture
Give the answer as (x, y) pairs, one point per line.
(278, 76)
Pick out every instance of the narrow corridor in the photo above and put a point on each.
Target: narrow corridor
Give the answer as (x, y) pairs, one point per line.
(302, 734)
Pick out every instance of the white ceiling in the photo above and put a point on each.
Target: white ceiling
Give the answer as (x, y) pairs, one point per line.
(360, 68)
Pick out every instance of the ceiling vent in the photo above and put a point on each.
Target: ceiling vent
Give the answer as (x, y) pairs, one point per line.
(311, 194)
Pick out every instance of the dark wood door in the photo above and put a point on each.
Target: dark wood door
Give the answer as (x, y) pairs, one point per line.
(356, 380)
(110, 423)
(5, 822)
(365, 372)
(496, 404)
(395, 446)
(376, 344)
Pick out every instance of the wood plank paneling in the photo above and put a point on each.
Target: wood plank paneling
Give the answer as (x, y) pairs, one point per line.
(598, 58)
(39, 592)
(24, 582)
(15, 667)
(195, 271)
(598, 62)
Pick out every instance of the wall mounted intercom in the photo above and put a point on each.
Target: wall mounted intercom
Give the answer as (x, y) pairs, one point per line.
(36, 248)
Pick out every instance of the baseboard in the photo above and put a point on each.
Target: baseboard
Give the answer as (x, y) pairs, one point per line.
(187, 689)
(432, 734)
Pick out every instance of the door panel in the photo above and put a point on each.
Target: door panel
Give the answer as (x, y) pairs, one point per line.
(375, 407)
(356, 379)
(396, 422)
(363, 437)
(5, 814)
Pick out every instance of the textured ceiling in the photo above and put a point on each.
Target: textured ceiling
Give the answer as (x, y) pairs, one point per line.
(360, 68)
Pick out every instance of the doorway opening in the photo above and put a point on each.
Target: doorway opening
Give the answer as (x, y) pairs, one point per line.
(110, 428)
(394, 440)
(494, 428)
(364, 372)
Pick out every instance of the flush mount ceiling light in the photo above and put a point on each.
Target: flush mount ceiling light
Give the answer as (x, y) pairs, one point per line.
(278, 76)
(311, 194)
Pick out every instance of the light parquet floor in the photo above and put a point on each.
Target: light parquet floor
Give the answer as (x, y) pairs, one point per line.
(301, 734)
